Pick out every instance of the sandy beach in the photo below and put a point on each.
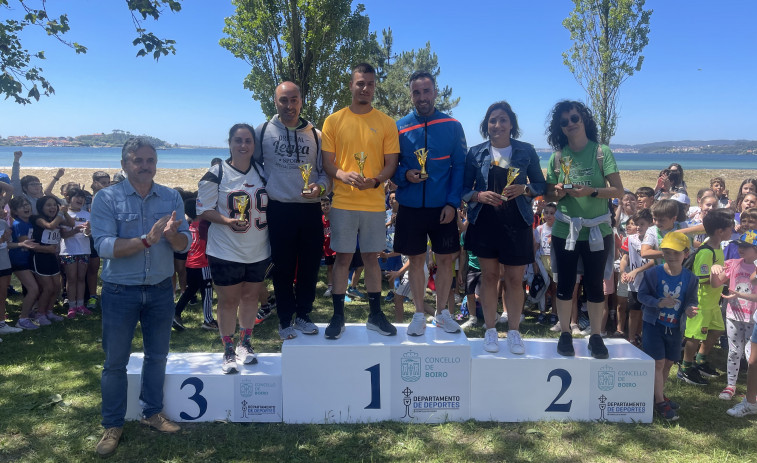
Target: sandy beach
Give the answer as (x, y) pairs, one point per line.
(188, 178)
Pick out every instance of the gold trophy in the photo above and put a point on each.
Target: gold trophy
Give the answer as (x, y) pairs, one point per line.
(421, 155)
(241, 203)
(565, 166)
(512, 174)
(305, 170)
(361, 158)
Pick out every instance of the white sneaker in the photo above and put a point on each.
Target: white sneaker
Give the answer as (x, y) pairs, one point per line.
(585, 332)
(515, 342)
(229, 364)
(490, 340)
(417, 326)
(575, 330)
(742, 408)
(445, 321)
(327, 293)
(556, 328)
(470, 323)
(502, 318)
(7, 329)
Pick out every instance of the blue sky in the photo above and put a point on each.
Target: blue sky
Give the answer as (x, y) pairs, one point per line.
(697, 81)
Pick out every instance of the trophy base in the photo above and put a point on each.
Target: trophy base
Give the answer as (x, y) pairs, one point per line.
(306, 191)
(503, 197)
(567, 186)
(422, 175)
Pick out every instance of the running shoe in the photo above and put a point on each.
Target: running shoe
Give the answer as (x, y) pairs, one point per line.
(229, 364)
(7, 329)
(417, 326)
(177, 324)
(597, 347)
(71, 313)
(444, 321)
(92, 303)
(665, 411)
(691, 376)
(246, 354)
(287, 333)
(378, 323)
(673, 404)
(389, 296)
(26, 324)
(193, 300)
(83, 310)
(354, 293)
(305, 325)
(335, 328)
(211, 326)
(263, 312)
(565, 345)
(727, 393)
(491, 343)
(743, 408)
(54, 317)
(515, 342)
(327, 293)
(41, 319)
(472, 322)
(707, 371)
(542, 319)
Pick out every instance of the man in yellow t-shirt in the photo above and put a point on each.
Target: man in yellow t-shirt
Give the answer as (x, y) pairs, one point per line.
(360, 151)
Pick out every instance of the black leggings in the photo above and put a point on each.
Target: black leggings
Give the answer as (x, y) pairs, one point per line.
(198, 279)
(593, 264)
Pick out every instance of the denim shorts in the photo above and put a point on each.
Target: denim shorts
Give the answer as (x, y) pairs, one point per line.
(754, 334)
(661, 342)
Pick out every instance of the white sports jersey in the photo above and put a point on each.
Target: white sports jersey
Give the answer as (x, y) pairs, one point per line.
(242, 196)
(635, 260)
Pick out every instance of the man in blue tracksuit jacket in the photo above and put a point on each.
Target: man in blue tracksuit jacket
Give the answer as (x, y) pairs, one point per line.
(428, 206)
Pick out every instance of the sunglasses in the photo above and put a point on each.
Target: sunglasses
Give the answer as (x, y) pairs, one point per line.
(574, 118)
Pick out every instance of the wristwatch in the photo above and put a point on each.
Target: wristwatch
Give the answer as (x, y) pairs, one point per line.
(375, 179)
(527, 190)
(144, 241)
(595, 194)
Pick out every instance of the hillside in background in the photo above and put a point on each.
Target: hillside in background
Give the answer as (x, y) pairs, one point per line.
(691, 146)
(102, 140)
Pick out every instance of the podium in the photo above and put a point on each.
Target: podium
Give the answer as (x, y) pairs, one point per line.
(366, 377)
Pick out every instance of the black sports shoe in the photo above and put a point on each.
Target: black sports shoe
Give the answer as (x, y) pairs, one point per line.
(597, 347)
(378, 323)
(707, 371)
(691, 376)
(565, 345)
(212, 326)
(263, 312)
(335, 328)
(177, 323)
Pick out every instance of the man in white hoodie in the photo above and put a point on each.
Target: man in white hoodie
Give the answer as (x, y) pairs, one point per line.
(286, 145)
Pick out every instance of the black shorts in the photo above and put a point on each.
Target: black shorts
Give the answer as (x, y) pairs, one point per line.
(6, 272)
(633, 301)
(228, 273)
(473, 281)
(329, 260)
(357, 260)
(92, 250)
(413, 226)
(503, 236)
(45, 264)
(180, 256)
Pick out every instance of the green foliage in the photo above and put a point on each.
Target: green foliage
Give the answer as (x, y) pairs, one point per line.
(19, 71)
(311, 43)
(393, 71)
(608, 38)
(116, 138)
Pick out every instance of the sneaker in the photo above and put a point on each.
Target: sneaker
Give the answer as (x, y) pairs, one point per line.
(389, 297)
(502, 318)
(246, 354)
(742, 408)
(586, 331)
(287, 333)
(42, 320)
(83, 310)
(552, 319)
(263, 312)
(92, 303)
(727, 393)
(707, 371)
(229, 364)
(177, 324)
(305, 325)
(212, 326)
(472, 322)
(354, 293)
(193, 300)
(327, 293)
(597, 347)
(515, 342)
(378, 323)
(7, 329)
(417, 326)
(665, 411)
(575, 330)
(673, 404)
(109, 442)
(542, 319)
(565, 345)
(335, 328)
(71, 313)
(161, 423)
(556, 327)
(54, 317)
(444, 321)
(491, 343)
(691, 376)
(26, 324)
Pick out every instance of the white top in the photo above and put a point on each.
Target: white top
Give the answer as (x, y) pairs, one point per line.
(78, 244)
(635, 261)
(501, 156)
(543, 235)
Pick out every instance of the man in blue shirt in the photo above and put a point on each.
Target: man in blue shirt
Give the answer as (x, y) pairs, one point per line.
(429, 202)
(137, 227)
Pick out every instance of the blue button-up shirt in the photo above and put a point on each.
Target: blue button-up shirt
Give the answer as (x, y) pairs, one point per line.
(120, 212)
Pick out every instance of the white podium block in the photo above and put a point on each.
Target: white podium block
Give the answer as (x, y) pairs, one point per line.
(543, 385)
(364, 376)
(195, 389)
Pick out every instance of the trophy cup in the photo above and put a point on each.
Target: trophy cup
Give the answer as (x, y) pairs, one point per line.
(241, 204)
(421, 155)
(305, 170)
(565, 166)
(512, 174)
(361, 158)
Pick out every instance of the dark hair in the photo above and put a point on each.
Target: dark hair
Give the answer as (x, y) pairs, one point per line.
(190, 208)
(134, 144)
(665, 208)
(551, 205)
(702, 191)
(504, 106)
(748, 214)
(675, 174)
(26, 180)
(41, 205)
(643, 214)
(238, 126)
(363, 68)
(753, 181)
(18, 202)
(422, 75)
(555, 137)
(719, 180)
(75, 192)
(215, 161)
(645, 191)
(100, 174)
(717, 219)
(740, 199)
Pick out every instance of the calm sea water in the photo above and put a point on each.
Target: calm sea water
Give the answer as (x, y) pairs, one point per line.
(110, 158)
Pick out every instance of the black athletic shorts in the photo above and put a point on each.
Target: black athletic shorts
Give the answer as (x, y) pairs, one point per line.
(180, 255)
(45, 264)
(228, 273)
(415, 224)
(633, 301)
(473, 283)
(501, 235)
(329, 260)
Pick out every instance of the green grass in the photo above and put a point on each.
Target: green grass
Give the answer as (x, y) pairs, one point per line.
(50, 411)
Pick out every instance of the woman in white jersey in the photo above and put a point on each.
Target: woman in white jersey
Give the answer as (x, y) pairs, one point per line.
(232, 197)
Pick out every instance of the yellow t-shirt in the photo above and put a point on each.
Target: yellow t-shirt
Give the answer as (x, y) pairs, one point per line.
(346, 133)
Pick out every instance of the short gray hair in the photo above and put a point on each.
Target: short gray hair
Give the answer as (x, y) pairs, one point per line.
(133, 145)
